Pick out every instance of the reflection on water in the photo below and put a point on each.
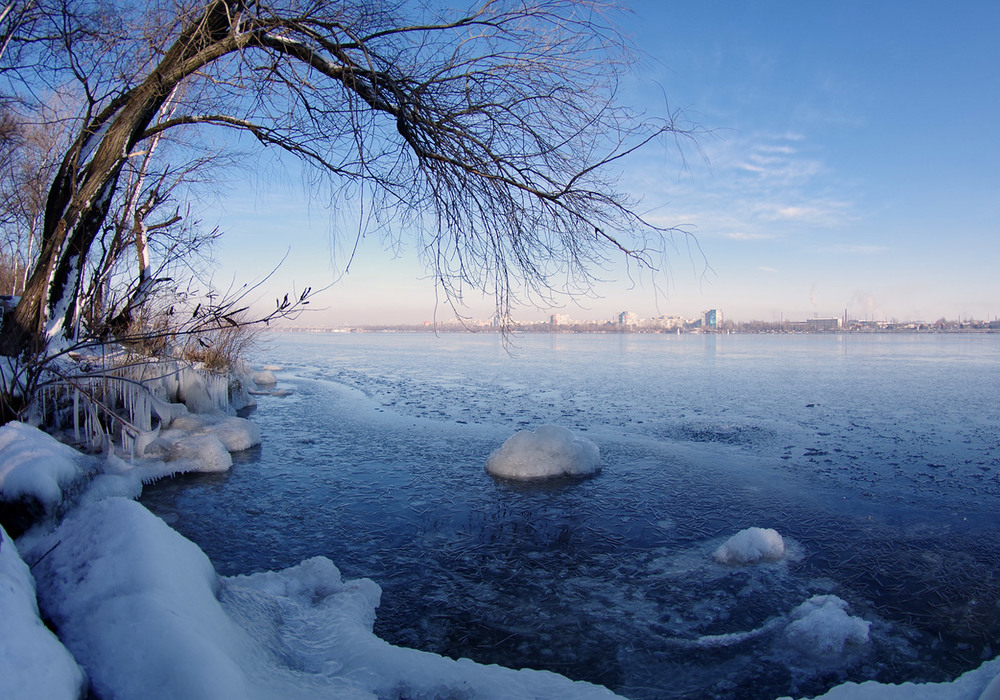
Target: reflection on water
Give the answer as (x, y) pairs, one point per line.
(376, 461)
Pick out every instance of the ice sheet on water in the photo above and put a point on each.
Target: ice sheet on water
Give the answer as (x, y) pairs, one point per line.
(515, 570)
(548, 451)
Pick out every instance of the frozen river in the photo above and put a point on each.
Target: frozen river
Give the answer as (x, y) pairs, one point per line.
(877, 457)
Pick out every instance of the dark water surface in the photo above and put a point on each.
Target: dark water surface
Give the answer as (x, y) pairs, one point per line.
(877, 457)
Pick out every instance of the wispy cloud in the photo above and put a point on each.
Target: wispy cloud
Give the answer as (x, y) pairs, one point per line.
(752, 188)
(852, 249)
(815, 212)
(744, 236)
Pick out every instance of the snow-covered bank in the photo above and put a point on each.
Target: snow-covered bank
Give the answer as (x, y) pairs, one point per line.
(142, 609)
(33, 662)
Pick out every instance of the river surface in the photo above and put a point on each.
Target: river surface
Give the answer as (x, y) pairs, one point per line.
(877, 458)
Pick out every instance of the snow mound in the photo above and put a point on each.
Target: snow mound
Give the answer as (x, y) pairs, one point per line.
(143, 610)
(751, 546)
(264, 377)
(204, 453)
(33, 663)
(821, 626)
(135, 603)
(235, 433)
(35, 464)
(548, 451)
(982, 683)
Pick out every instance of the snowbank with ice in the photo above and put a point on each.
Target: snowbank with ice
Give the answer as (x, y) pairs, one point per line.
(33, 662)
(143, 610)
(548, 451)
(36, 465)
(234, 433)
(982, 683)
(751, 546)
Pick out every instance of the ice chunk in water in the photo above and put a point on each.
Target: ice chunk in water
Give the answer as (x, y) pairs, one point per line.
(822, 626)
(546, 452)
(206, 453)
(750, 546)
(264, 377)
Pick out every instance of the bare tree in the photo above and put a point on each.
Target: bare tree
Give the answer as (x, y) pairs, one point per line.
(493, 134)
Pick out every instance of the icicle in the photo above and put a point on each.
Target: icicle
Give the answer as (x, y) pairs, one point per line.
(218, 390)
(76, 414)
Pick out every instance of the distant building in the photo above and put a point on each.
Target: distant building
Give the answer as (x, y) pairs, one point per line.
(823, 324)
(711, 319)
(628, 318)
(664, 322)
(560, 319)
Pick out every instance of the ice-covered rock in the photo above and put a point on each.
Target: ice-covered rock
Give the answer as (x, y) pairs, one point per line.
(235, 433)
(240, 386)
(205, 453)
(751, 546)
(548, 451)
(34, 464)
(821, 626)
(264, 378)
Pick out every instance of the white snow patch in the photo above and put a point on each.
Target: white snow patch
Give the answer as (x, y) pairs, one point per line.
(235, 433)
(265, 378)
(548, 451)
(143, 610)
(751, 546)
(821, 626)
(35, 464)
(205, 453)
(982, 683)
(33, 662)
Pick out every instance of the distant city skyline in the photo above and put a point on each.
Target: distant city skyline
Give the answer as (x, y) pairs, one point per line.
(849, 161)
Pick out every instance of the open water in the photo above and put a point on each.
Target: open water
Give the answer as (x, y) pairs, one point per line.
(877, 457)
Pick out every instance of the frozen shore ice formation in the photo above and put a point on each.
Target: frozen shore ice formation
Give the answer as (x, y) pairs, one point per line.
(33, 662)
(751, 546)
(143, 610)
(549, 451)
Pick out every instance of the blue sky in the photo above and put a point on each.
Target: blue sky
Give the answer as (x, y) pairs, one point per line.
(851, 160)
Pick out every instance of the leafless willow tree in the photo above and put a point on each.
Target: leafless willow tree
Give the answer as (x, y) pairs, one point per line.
(492, 134)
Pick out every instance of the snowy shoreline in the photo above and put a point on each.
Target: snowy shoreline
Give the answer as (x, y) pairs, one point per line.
(141, 611)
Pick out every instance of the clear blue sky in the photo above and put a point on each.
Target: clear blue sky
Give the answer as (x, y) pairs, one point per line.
(853, 161)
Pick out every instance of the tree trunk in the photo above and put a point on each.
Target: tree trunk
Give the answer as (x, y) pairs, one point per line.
(80, 195)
